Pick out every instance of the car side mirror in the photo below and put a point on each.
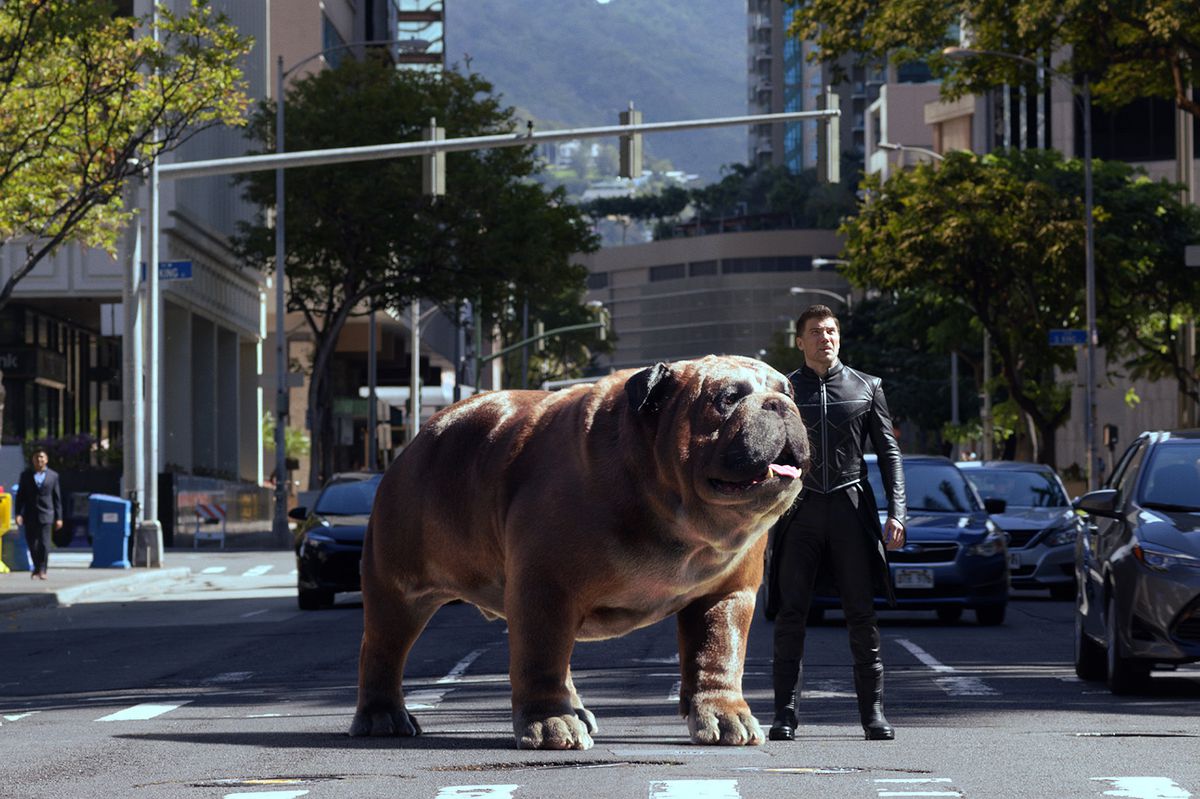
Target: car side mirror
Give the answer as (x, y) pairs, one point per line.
(299, 513)
(1099, 503)
(993, 505)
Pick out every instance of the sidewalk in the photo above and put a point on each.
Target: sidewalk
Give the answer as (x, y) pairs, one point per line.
(71, 577)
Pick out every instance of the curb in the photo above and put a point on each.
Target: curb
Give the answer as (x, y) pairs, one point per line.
(68, 596)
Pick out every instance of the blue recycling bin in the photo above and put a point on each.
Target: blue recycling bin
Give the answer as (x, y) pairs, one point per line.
(14, 551)
(108, 522)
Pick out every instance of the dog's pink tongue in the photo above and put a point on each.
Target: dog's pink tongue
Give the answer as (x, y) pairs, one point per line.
(784, 470)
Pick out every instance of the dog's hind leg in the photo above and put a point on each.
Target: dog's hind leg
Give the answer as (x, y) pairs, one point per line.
(392, 621)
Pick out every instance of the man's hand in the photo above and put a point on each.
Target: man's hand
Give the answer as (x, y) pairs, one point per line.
(893, 534)
(20, 521)
(58, 525)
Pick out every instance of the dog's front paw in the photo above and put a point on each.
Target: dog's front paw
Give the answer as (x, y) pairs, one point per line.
(565, 731)
(723, 723)
(381, 722)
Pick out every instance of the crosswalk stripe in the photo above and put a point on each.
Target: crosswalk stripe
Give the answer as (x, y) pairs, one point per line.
(214, 570)
(954, 686)
(673, 694)
(257, 570)
(142, 712)
(694, 789)
(1145, 787)
(263, 794)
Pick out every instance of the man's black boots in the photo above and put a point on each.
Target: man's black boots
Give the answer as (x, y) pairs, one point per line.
(868, 684)
(785, 678)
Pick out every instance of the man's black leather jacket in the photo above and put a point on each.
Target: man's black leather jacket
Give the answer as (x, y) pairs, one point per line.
(840, 411)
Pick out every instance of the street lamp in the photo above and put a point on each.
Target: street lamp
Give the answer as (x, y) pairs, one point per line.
(819, 262)
(908, 148)
(279, 524)
(846, 299)
(1085, 98)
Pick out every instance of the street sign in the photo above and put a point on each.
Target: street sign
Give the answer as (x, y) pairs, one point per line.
(171, 270)
(1068, 338)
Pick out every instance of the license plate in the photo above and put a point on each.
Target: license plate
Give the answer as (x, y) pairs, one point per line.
(913, 578)
(1014, 560)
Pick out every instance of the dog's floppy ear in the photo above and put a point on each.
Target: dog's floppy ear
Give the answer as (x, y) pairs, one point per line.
(648, 388)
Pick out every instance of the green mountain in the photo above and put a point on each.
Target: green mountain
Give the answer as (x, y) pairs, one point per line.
(577, 63)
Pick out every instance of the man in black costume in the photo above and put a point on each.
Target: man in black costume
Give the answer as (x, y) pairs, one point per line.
(834, 525)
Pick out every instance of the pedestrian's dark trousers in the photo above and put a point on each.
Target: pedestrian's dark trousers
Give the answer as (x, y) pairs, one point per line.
(37, 536)
(829, 527)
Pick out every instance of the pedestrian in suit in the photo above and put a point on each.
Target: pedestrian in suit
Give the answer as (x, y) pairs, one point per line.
(39, 510)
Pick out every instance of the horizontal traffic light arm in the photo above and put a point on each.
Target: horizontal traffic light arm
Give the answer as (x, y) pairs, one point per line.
(547, 334)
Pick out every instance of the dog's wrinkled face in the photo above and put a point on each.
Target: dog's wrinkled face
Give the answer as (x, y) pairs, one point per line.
(735, 430)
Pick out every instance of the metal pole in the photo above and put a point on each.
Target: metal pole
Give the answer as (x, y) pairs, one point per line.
(153, 332)
(1186, 176)
(132, 358)
(279, 524)
(1093, 470)
(372, 404)
(525, 350)
(988, 435)
(414, 371)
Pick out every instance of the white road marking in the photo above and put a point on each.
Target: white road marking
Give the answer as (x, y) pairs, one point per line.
(1145, 787)
(431, 697)
(19, 716)
(694, 789)
(229, 676)
(477, 791)
(918, 793)
(673, 694)
(916, 782)
(257, 570)
(271, 794)
(213, 570)
(256, 612)
(912, 780)
(954, 686)
(142, 712)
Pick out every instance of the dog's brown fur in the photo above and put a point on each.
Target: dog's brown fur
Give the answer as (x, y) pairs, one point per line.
(579, 515)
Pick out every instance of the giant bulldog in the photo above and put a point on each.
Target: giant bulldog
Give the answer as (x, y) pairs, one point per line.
(582, 515)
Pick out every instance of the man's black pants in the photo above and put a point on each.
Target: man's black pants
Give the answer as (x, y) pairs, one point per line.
(37, 536)
(827, 527)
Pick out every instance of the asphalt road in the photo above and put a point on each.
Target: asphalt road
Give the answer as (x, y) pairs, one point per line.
(220, 687)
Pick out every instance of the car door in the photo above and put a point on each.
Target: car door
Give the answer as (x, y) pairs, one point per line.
(1101, 535)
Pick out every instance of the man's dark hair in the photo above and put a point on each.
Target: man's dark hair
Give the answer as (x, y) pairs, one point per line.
(816, 312)
(39, 451)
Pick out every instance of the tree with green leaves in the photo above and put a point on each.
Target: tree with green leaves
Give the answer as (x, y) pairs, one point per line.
(362, 237)
(1129, 48)
(88, 99)
(1002, 235)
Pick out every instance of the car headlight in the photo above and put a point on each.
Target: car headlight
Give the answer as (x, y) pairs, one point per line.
(1163, 559)
(992, 545)
(1064, 534)
(317, 538)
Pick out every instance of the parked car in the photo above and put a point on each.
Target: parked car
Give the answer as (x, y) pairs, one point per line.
(1138, 564)
(954, 557)
(1038, 521)
(329, 539)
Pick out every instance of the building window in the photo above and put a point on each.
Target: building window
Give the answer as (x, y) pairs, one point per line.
(668, 272)
(597, 280)
(702, 268)
(331, 40)
(778, 263)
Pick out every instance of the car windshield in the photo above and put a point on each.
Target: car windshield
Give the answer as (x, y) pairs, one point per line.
(1172, 479)
(351, 498)
(1019, 488)
(929, 487)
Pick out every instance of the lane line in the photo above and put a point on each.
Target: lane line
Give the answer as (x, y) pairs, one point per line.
(214, 570)
(142, 712)
(256, 612)
(19, 716)
(954, 686)
(914, 780)
(260, 794)
(228, 677)
(694, 789)
(257, 570)
(1145, 787)
(429, 698)
(918, 793)
(477, 791)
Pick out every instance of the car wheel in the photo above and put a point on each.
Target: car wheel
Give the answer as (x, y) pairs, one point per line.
(1063, 591)
(950, 614)
(991, 615)
(314, 599)
(1089, 656)
(1125, 675)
